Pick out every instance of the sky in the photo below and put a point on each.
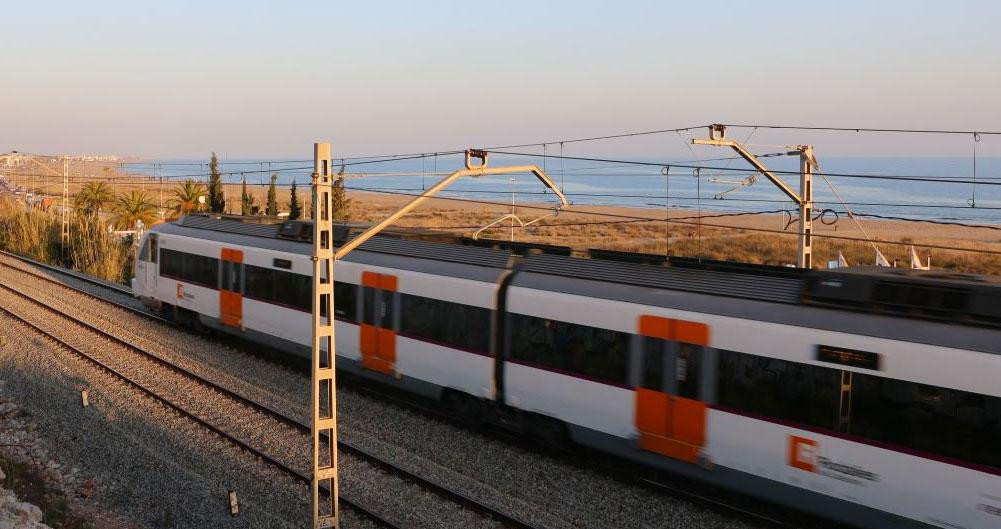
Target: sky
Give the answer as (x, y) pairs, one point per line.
(257, 79)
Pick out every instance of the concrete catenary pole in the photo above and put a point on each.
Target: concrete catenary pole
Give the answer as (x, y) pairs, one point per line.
(803, 199)
(323, 385)
(64, 233)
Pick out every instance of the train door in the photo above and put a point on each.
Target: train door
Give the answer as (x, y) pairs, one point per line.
(378, 339)
(671, 390)
(230, 296)
(149, 260)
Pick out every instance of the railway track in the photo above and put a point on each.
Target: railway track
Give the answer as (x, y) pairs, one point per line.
(708, 499)
(254, 427)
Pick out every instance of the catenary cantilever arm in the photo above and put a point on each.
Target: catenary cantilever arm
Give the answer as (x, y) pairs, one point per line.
(751, 159)
(445, 182)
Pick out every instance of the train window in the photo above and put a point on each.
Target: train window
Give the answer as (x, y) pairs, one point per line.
(593, 352)
(654, 356)
(201, 270)
(686, 370)
(672, 367)
(191, 268)
(448, 323)
(231, 276)
(170, 263)
(153, 248)
(345, 300)
(259, 283)
(368, 309)
(144, 251)
(789, 391)
(386, 310)
(294, 290)
(281, 288)
(943, 421)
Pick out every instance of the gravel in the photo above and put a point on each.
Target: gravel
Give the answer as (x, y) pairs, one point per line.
(156, 467)
(543, 490)
(405, 502)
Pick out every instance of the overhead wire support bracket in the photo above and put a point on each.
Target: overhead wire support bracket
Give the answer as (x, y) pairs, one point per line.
(471, 169)
(803, 199)
(716, 138)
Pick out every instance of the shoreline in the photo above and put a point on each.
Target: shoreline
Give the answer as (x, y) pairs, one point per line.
(748, 236)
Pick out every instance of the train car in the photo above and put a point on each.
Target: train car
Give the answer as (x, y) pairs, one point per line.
(869, 397)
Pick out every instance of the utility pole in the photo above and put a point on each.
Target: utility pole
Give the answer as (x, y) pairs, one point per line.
(323, 380)
(803, 199)
(158, 170)
(806, 165)
(323, 383)
(64, 235)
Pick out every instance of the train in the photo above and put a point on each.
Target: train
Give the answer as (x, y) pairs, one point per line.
(866, 396)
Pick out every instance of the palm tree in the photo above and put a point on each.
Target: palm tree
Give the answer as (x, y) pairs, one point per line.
(92, 197)
(186, 197)
(135, 206)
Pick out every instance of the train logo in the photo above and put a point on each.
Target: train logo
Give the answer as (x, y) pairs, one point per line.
(803, 453)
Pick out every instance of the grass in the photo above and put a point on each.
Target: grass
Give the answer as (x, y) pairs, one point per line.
(35, 234)
(92, 250)
(731, 244)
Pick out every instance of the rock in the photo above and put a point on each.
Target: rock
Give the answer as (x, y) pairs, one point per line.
(2, 475)
(27, 512)
(87, 489)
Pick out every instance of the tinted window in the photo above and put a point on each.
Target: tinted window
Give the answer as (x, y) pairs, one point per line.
(190, 268)
(278, 287)
(170, 263)
(259, 283)
(345, 300)
(789, 391)
(597, 353)
(943, 421)
(687, 365)
(368, 305)
(386, 310)
(447, 323)
(231, 276)
(294, 290)
(652, 371)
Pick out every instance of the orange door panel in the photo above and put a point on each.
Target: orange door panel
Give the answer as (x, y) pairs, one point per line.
(387, 345)
(369, 340)
(230, 298)
(651, 411)
(378, 342)
(671, 425)
(688, 420)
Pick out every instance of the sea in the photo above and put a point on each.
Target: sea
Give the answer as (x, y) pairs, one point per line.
(941, 189)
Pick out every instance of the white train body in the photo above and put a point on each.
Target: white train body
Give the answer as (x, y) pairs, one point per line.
(819, 408)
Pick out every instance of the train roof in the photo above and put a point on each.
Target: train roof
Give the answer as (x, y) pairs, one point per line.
(938, 295)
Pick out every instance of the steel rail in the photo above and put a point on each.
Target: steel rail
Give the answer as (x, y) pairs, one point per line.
(441, 489)
(607, 469)
(65, 271)
(353, 504)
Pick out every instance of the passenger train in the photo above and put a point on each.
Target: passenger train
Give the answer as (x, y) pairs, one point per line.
(869, 397)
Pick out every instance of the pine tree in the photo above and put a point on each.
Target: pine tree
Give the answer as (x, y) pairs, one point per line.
(294, 210)
(339, 200)
(272, 207)
(246, 201)
(217, 201)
